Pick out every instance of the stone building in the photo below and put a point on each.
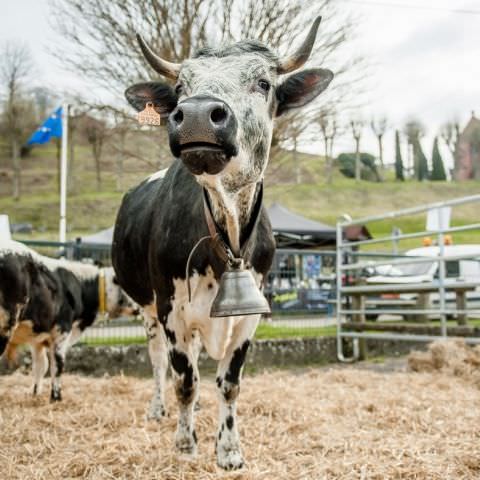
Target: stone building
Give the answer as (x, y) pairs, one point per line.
(467, 154)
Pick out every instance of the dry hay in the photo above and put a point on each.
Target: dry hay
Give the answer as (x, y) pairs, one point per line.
(453, 357)
(322, 424)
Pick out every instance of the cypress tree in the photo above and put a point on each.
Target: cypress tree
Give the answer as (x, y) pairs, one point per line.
(398, 159)
(438, 169)
(421, 161)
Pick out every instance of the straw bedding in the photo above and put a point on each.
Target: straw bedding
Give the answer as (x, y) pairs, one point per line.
(340, 423)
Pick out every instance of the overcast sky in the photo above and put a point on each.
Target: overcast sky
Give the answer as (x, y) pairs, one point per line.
(425, 57)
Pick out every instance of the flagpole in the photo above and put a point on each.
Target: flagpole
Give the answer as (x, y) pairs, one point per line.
(63, 176)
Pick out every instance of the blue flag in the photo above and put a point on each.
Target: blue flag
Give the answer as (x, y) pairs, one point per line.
(51, 127)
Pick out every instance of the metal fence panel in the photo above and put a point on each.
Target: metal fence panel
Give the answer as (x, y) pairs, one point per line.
(433, 295)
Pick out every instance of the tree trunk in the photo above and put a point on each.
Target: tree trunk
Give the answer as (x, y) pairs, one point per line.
(328, 165)
(120, 161)
(97, 155)
(332, 162)
(298, 177)
(357, 160)
(98, 173)
(16, 170)
(410, 167)
(380, 156)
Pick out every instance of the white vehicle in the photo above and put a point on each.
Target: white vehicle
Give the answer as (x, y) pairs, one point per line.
(456, 270)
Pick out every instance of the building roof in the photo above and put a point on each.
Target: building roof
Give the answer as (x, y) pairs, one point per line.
(472, 128)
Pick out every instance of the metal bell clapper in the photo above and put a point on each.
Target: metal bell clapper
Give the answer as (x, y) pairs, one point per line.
(238, 293)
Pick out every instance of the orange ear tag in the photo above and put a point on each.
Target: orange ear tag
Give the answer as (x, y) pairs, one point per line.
(148, 116)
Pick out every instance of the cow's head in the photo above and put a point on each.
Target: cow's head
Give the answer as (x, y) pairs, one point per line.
(118, 303)
(221, 110)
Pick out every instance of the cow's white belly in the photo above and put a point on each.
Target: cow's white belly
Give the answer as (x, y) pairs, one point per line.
(215, 333)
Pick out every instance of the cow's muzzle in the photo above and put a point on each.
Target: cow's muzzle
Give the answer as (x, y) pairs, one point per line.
(202, 132)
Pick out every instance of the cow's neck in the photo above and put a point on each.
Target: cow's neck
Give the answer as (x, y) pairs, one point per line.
(232, 211)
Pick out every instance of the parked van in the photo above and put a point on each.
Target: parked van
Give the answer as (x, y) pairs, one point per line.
(463, 270)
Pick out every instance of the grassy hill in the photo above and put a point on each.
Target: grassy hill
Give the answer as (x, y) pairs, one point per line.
(90, 210)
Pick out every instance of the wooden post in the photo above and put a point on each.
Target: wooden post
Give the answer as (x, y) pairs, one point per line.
(422, 304)
(358, 303)
(461, 299)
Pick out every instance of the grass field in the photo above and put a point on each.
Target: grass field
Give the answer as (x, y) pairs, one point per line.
(268, 331)
(90, 210)
(264, 331)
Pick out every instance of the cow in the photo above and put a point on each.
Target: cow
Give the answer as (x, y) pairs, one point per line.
(220, 116)
(48, 303)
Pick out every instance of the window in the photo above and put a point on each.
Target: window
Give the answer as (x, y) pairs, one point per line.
(452, 269)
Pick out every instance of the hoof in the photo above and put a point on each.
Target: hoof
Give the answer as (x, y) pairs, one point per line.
(157, 413)
(186, 445)
(230, 460)
(198, 406)
(55, 396)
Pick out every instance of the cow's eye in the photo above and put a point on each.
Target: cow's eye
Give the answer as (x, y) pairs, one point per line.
(264, 85)
(179, 89)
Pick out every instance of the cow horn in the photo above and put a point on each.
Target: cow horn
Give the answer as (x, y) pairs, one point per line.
(296, 60)
(167, 69)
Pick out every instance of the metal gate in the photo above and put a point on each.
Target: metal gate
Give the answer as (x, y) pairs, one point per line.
(361, 266)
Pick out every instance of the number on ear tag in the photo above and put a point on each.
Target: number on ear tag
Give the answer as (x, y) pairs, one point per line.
(148, 116)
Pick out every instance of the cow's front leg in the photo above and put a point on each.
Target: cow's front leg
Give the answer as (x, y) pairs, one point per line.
(185, 377)
(157, 349)
(229, 454)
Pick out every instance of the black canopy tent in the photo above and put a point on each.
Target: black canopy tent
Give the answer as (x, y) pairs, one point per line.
(290, 230)
(294, 231)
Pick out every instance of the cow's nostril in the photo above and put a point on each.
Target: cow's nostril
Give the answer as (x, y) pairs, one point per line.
(178, 117)
(218, 115)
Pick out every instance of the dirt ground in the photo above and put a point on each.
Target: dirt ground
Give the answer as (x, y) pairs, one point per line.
(346, 423)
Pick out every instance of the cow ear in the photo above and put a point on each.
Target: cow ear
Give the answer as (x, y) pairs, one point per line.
(302, 87)
(161, 94)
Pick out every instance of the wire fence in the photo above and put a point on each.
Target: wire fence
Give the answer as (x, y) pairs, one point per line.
(383, 289)
(300, 288)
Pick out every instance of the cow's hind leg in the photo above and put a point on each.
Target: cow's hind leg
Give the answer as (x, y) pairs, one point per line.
(58, 351)
(227, 443)
(39, 366)
(157, 349)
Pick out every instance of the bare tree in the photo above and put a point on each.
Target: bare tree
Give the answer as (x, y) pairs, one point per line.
(332, 134)
(379, 127)
(414, 130)
(328, 128)
(450, 134)
(293, 133)
(120, 133)
(16, 67)
(357, 127)
(96, 132)
(100, 41)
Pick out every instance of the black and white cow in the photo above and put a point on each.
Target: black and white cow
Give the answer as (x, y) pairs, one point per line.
(220, 120)
(48, 303)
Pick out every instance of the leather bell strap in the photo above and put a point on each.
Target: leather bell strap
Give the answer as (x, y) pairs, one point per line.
(223, 251)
